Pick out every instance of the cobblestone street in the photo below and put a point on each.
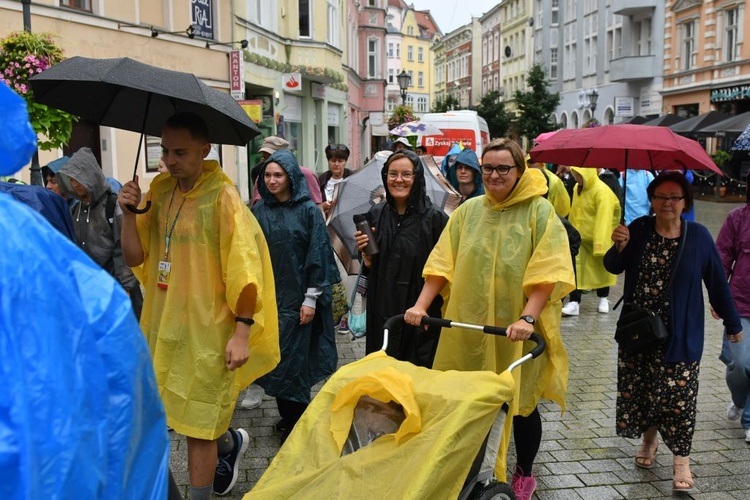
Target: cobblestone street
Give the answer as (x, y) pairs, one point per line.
(581, 456)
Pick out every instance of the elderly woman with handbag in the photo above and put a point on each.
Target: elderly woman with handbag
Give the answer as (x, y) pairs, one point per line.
(665, 258)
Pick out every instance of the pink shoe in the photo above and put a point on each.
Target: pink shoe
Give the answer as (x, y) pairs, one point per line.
(523, 486)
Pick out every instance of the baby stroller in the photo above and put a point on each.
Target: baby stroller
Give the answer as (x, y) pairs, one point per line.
(383, 428)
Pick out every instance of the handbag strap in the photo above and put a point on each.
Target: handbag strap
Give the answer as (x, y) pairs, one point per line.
(676, 263)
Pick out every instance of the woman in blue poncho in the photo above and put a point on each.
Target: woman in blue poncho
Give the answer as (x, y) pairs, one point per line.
(304, 273)
(465, 175)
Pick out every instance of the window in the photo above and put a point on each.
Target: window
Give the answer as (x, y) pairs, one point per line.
(77, 4)
(731, 35)
(391, 52)
(420, 79)
(391, 75)
(411, 78)
(305, 18)
(410, 53)
(689, 52)
(420, 54)
(410, 31)
(484, 52)
(398, 50)
(553, 64)
(373, 65)
(642, 31)
(555, 11)
(333, 22)
(421, 105)
(262, 13)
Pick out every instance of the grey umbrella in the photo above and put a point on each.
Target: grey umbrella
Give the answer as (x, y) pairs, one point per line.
(130, 95)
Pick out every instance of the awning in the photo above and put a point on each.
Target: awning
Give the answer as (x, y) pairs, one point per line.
(732, 126)
(691, 125)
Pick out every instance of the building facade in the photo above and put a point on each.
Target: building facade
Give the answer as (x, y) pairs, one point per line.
(462, 62)
(515, 47)
(491, 28)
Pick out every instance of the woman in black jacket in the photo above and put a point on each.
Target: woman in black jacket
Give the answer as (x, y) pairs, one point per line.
(406, 226)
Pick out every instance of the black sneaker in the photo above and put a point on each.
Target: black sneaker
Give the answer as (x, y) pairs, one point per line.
(227, 467)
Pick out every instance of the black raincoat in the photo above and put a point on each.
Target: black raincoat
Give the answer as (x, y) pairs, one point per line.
(302, 258)
(395, 278)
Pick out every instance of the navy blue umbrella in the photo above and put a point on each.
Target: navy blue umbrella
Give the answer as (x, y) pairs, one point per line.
(743, 141)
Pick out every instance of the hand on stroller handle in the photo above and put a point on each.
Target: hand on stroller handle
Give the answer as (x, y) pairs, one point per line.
(446, 323)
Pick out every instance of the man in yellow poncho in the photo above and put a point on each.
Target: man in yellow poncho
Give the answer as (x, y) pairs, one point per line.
(557, 194)
(595, 212)
(503, 256)
(210, 310)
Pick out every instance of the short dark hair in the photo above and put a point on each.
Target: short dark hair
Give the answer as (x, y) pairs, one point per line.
(515, 150)
(678, 178)
(190, 122)
(421, 148)
(337, 152)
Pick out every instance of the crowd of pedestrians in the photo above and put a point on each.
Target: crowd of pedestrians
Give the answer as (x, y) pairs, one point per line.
(228, 297)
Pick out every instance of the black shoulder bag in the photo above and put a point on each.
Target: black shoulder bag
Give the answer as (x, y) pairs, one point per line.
(639, 328)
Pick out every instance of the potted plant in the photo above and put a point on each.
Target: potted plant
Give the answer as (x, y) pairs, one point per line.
(721, 158)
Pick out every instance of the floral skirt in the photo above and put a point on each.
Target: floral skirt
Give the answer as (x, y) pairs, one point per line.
(652, 393)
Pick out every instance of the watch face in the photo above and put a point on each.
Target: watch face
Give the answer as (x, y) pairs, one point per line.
(528, 319)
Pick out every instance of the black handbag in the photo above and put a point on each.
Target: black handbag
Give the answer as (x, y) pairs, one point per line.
(639, 328)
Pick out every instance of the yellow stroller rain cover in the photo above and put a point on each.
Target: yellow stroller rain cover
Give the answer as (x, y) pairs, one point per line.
(447, 418)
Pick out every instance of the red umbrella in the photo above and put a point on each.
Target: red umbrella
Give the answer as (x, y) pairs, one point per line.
(639, 147)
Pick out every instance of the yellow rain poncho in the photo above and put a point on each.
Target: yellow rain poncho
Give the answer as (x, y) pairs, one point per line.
(557, 195)
(492, 255)
(448, 416)
(217, 249)
(595, 213)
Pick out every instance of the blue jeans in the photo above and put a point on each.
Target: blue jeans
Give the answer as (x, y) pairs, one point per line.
(737, 358)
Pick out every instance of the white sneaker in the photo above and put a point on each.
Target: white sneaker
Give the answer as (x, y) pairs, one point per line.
(603, 305)
(570, 309)
(747, 435)
(253, 397)
(733, 413)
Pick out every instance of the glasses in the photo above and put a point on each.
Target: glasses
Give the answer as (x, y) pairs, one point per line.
(407, 176)
(500, 169)
(671, 199)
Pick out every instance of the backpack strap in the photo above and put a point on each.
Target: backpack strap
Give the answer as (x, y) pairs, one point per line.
(109, 208)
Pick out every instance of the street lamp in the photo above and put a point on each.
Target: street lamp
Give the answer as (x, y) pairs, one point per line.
(403, 83)
(593, 97)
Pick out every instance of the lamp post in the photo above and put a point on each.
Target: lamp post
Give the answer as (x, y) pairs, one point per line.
(403, 83)
(593, 97)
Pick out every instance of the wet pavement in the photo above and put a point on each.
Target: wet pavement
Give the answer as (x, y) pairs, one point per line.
(580, 456)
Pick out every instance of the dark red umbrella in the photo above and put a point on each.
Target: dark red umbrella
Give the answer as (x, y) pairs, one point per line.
(639, 147)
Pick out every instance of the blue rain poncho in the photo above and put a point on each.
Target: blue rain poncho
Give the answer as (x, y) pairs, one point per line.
(467, 157)
(302, 258)
(80, 416)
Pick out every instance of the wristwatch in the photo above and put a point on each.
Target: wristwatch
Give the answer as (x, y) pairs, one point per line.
(528, 319)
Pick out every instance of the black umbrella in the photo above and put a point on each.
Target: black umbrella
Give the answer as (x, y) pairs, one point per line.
(130, 95)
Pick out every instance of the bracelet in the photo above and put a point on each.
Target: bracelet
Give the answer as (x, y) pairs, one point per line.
(247, 321)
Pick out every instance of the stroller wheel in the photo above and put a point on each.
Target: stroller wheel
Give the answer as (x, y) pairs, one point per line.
(496, 491)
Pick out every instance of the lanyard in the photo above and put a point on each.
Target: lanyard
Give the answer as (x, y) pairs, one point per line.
(167, 229)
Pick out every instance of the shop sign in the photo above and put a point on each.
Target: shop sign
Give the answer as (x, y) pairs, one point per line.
(201, 12)
(623, 106)
(291, 82)
(737, 93)
(237, 74)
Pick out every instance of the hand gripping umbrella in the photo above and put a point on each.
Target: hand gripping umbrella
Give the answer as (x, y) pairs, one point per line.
(130, 95)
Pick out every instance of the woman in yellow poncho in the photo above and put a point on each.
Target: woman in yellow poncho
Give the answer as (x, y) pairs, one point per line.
(504, 258)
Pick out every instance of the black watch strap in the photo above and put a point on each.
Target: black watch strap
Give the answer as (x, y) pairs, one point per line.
(528, 318)
(247, 321)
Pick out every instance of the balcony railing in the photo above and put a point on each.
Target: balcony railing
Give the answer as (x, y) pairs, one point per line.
(631, 7)
(628, 69)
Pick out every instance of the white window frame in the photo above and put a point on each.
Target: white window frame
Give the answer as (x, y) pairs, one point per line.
(420, 79)
(309, 19)
(334, 21)
(374, 69)
(732, 34)
(410, 53)
(689, 47)
(420, 54)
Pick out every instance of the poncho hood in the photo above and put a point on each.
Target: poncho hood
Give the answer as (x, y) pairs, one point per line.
(84, 168)
(590, 176)
(418, 200)
(453, 151)
(297, 182)
(467, 157)
(206, 182)
(531, 183)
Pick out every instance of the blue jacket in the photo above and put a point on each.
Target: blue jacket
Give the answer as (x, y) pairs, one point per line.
(699, 262)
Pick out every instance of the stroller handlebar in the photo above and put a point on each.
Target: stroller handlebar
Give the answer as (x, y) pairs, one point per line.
(541, 345)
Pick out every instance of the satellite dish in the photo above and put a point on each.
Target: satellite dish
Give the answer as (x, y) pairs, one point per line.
(531, 21)
(507, 51)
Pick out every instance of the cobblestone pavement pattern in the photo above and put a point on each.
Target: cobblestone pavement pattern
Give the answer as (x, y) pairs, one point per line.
(580, 456)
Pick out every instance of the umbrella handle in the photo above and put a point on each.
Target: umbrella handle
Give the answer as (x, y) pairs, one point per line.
(137, 210)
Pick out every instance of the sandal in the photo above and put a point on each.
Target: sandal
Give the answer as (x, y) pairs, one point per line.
(644, 458)
(682, 475)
